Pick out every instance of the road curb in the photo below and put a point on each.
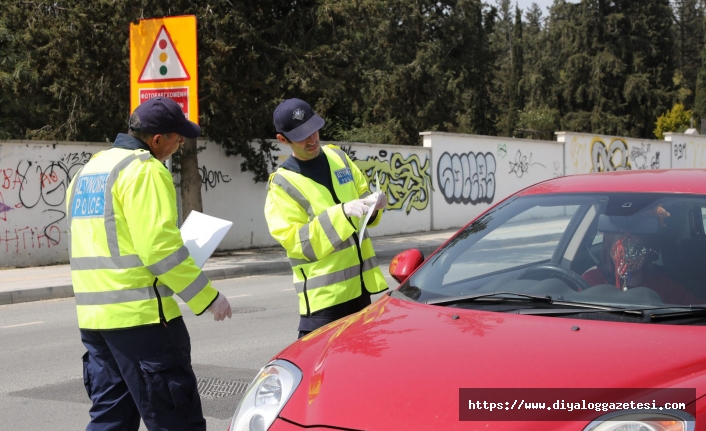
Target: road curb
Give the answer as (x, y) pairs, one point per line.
(244, 270)
(36, 294)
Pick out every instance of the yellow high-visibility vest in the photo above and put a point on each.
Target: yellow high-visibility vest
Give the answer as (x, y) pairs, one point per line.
(327, 262)
(123, 230)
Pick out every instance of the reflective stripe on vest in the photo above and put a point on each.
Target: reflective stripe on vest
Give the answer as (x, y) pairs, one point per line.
(333, 237)
(350, 242)
(120, 296)
(295, 194)
(337, 276)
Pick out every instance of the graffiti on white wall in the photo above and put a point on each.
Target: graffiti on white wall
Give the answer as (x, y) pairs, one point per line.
(679, 150)
(522, 163)
(405, 180)
(642, 158)
(609, 157)
(39, 186)
(616, 156)
(211, 178)
(467, 178)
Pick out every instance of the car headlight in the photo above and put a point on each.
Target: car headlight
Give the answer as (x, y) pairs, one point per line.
(643, 421)
(266, 396)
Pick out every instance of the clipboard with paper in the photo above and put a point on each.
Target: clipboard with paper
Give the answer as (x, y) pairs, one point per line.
(371, 210)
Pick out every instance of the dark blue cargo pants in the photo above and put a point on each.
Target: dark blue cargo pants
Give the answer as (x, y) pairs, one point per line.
(141, 372)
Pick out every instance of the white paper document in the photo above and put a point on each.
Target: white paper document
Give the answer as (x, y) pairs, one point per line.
(364, 220)
(202, 234)
(363, 223)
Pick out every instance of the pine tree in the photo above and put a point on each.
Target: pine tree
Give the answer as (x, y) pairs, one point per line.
(688, 41)
(700, 91)
(424, 70)
(540, 73)
(501, 44)
(648, 54)
(618, 76)
(517, 97)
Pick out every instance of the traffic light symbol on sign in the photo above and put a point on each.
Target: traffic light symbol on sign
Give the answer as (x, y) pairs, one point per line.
(163, 62)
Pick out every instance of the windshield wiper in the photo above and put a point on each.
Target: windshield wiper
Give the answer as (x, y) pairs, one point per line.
(583, 307)
(691, 311)
(494, 296)
(696, 311)
(522, 297)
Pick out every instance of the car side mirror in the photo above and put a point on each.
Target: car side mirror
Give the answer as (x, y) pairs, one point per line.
(405, 263)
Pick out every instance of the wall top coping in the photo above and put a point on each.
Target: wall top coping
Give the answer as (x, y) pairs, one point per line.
(339, 144)
(668, 135)
(384, 146)
(562, 135)
(37, 142)
(495, 138)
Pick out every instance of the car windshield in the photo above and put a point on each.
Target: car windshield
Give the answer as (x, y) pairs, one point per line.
(614, 249)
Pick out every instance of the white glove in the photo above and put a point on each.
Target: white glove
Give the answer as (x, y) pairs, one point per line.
(221, 308)
(355, 208)
(378, 200)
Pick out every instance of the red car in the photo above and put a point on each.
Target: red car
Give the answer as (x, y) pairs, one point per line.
(578, 303)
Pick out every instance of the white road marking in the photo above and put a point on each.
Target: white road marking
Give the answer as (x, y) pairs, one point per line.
(287, 290)
(21, 324)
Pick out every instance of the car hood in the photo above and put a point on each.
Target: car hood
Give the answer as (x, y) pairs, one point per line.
(400, 364)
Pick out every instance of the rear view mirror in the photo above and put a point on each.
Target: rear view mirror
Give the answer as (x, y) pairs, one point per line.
(405, 263)
(639, 225)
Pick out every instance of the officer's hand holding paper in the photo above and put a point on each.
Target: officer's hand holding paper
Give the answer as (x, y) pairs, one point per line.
(376, 201)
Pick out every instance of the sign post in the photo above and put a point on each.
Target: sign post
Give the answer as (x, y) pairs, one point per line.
(164, 62)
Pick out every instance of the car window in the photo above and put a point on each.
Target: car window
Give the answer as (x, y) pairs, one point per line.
(624, 249)
(538, 229)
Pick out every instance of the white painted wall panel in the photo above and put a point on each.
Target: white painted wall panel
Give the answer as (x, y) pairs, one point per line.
(687, 151)
(586, 153)
(34, 176)
(472, 172)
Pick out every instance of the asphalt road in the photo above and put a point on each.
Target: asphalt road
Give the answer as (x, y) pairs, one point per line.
(41, 383)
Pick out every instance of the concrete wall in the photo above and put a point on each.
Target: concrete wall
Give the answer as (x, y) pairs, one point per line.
(444, 184)
(474, 172)
(584, 153)
(34, 176)
(404, 173)
(687, 151)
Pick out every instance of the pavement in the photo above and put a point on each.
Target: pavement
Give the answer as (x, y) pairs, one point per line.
(51, 282)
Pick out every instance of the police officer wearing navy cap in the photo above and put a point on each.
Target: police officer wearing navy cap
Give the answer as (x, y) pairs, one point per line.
(128, 262)
(314, 204)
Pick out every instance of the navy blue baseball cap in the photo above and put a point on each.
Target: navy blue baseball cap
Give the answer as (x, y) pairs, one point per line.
(161, 115)
(295, 119)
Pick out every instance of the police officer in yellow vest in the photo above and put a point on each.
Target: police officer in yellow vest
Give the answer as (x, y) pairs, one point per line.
(127, 263)
(313, 207)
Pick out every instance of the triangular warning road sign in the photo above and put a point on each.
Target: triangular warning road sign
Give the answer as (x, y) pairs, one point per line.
(163, 62)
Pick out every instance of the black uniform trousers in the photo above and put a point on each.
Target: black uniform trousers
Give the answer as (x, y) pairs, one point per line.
(141, 372)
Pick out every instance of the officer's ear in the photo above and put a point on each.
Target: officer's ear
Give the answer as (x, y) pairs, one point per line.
(283, 139)
(153, 141)
(156, 144)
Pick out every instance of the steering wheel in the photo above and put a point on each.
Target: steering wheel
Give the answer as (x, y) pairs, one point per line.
(551, 270)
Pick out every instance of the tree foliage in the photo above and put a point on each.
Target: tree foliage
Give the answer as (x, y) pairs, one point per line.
(379, 71)
(676, 119)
